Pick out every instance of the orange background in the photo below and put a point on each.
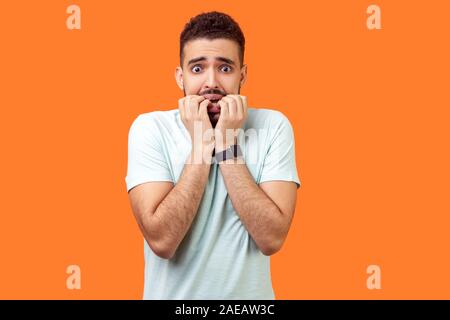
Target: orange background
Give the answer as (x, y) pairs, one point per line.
(370, 110)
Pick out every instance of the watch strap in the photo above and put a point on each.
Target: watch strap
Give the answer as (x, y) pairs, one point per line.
(232, 152)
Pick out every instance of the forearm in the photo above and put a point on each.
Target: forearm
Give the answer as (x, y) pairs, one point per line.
(259, 214)
(174, 215)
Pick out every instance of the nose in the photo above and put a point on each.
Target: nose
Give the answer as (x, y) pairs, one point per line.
(211, 79)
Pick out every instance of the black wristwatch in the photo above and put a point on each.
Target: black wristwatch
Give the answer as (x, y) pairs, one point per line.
(232, 152)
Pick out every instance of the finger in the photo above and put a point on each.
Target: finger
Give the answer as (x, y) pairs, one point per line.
(244, 105)
(203, 109)
(187, 110)
(195, 98)
(194, 104)
(181, 107)
(223, 109)
(232, 108)
(239, 106)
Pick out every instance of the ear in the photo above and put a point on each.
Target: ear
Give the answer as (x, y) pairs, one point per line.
(179, 77)
(243, 74)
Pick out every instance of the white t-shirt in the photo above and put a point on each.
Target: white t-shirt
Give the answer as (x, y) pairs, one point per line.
(217, 259)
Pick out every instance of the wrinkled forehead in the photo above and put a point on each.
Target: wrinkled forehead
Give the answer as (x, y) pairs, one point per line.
(210, 50)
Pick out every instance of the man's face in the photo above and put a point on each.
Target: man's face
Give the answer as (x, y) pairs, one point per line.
(211, 68)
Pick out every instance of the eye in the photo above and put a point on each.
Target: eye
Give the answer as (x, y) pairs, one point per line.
(196, 69)
(226, 68)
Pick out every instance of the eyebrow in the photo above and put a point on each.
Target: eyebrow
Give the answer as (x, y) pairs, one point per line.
(223, 59)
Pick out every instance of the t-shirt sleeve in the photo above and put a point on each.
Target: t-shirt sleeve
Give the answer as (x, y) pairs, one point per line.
(146, 161)
(279, 162)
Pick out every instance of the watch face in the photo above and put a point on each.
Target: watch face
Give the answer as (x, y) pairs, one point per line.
(225, 154)
(231, 152)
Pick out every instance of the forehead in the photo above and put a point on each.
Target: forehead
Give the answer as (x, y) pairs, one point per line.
(211, 48)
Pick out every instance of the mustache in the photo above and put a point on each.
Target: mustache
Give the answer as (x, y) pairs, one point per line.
(213, 91)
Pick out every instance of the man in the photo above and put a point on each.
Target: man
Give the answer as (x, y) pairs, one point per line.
(212, 202)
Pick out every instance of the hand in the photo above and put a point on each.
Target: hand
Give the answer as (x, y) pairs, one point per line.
(194, 114)
(233, 114)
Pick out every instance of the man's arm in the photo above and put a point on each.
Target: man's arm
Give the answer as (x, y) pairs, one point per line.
(164, 213)
(265, 211)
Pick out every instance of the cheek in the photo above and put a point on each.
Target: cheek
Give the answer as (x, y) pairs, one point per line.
(191, 88)
(231, 85)
(192, 85)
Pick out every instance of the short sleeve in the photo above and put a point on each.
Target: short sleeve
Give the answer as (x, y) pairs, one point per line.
(146, 160)
(279, 162)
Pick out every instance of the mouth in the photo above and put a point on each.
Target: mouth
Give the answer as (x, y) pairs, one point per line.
(213, 107)
(213, 97)
(213, 110)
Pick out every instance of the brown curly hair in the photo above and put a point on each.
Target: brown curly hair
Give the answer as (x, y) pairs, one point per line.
(212, 25)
